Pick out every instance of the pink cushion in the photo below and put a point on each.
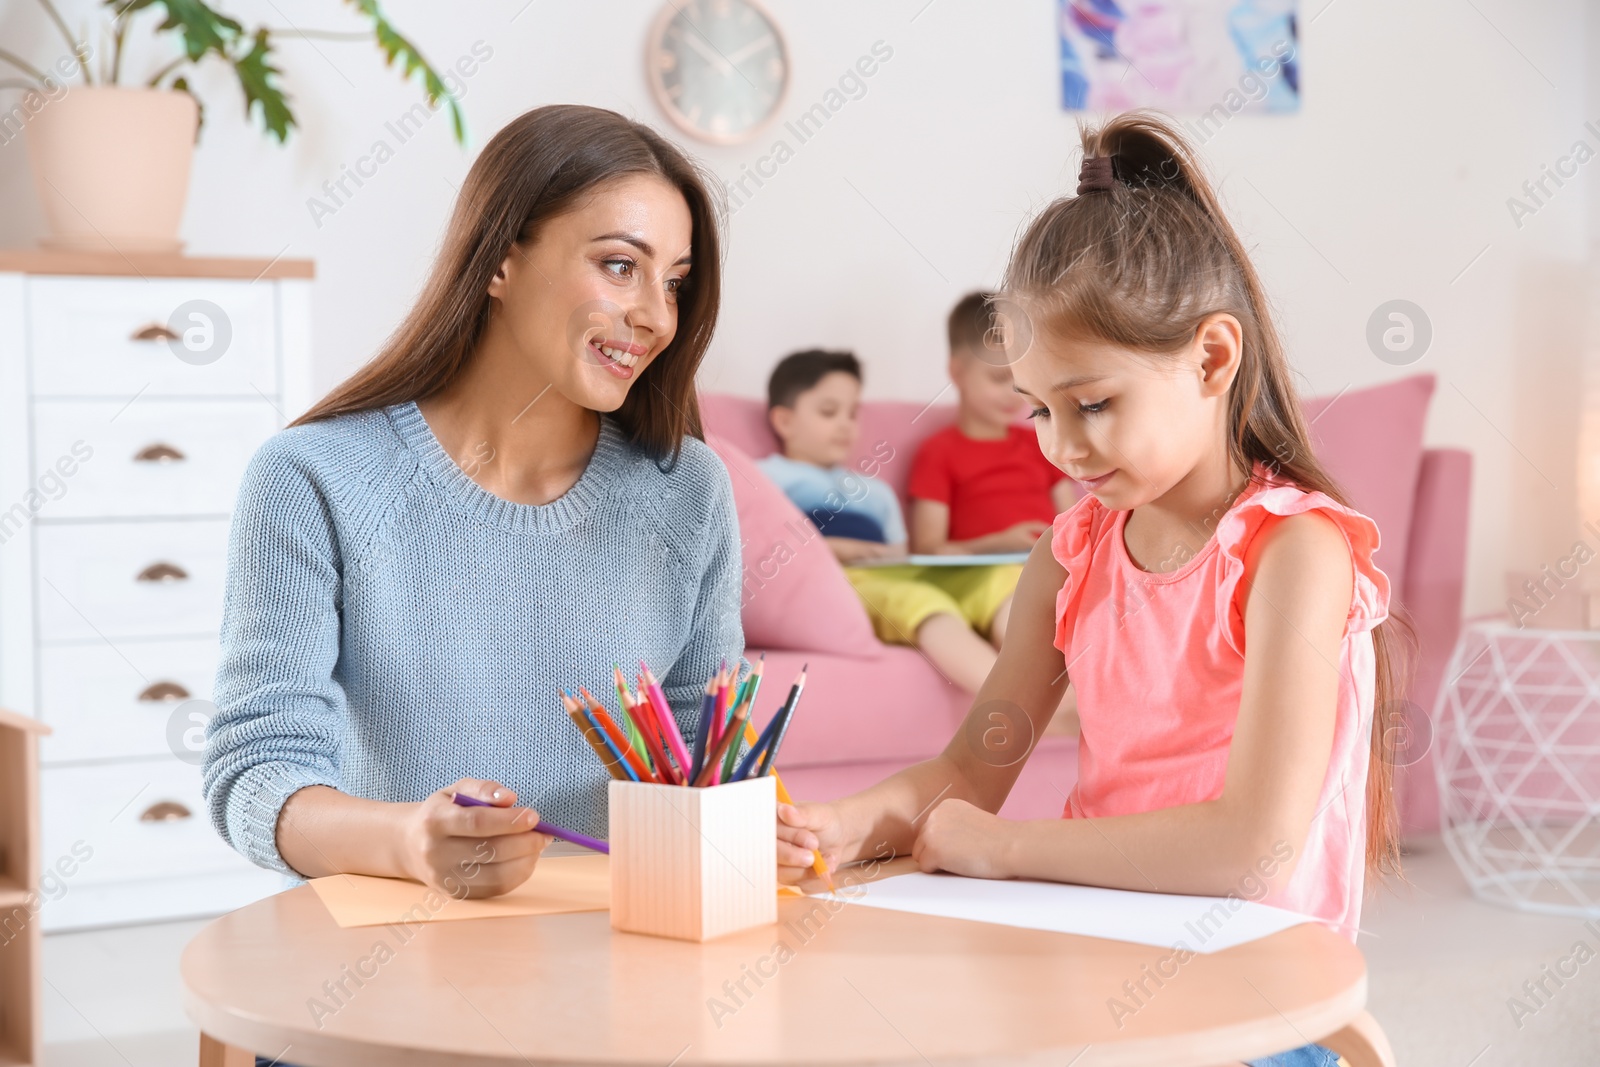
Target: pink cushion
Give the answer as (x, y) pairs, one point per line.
(1370, 440)
(740, 421)
(794, 594)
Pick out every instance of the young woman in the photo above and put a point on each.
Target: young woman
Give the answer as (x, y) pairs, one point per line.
(509, 499)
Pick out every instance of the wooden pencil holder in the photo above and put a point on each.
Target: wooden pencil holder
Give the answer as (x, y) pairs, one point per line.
(693, 863)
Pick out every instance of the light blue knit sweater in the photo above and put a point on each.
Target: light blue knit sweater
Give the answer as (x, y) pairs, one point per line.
(391, 626)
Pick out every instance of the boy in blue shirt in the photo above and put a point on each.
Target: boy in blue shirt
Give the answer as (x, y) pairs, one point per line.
(813, 399)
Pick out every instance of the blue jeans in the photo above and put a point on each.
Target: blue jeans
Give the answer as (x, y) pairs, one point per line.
(1304, 1056)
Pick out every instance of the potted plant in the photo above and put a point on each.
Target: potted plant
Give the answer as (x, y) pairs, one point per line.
(111, 150)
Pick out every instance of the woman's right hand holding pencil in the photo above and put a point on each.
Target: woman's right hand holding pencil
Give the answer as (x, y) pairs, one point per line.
(476, 851)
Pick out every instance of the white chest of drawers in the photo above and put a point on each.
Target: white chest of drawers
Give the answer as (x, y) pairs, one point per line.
(133, 391)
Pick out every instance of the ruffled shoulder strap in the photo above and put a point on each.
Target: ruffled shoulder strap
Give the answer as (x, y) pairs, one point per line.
(1369, 604)
(1072, 539)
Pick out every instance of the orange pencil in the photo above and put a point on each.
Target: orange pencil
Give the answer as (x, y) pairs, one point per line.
(817, 864)
(618, 738)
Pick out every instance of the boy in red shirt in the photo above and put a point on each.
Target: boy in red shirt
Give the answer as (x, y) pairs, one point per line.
(982, 485)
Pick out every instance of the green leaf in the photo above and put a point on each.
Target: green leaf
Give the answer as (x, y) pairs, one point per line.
(396, 46)
(255, 78)
(202, 28)
(181, 84)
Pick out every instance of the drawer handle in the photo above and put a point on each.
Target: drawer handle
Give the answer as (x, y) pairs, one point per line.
(158, 453)
(164, 811)
(158, 692)
(163, 572)
(153, 332)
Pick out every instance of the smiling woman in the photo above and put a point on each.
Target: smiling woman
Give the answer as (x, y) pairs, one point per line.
(508, 499)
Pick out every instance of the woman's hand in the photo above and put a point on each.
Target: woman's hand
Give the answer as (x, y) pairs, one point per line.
(802, 829)
(962, 838)
(471, 851)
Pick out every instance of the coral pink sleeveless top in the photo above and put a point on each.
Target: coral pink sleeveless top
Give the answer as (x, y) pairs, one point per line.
(1158, 664)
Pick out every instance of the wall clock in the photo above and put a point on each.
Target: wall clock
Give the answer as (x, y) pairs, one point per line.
(718, 68)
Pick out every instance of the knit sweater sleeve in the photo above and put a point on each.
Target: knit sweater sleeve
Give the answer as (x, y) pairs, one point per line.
(716, 632)
(279, 708)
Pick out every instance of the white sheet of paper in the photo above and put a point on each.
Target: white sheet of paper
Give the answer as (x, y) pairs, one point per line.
(1199, 924)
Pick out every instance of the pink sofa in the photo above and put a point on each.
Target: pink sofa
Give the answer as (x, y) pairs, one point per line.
(871, 708)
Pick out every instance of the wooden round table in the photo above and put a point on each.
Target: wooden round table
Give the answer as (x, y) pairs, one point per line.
(830, 983)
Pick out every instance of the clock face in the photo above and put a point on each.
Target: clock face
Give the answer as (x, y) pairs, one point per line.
(719, 68)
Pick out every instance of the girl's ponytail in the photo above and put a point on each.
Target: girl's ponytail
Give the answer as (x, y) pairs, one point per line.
(1138, 258)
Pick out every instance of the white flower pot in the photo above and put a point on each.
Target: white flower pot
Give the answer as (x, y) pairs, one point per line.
(112, 167)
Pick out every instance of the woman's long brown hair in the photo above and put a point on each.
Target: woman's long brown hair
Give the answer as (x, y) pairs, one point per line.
(1140, 265)
(539, 166)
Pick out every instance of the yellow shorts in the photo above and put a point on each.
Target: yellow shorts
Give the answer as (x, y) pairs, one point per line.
(901, 598)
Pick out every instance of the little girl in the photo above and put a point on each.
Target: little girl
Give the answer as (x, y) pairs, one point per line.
(1212, 598)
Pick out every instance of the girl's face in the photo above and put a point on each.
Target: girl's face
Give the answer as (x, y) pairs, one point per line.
(1128, 426)
(591, 300)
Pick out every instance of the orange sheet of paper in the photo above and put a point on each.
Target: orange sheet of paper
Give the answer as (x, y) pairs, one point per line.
(559, 884)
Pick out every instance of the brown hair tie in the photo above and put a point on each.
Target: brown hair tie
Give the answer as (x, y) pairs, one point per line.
(1096, 175)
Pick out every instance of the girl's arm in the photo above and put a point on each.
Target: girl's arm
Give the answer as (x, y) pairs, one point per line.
(979, 765)
(1300, 585)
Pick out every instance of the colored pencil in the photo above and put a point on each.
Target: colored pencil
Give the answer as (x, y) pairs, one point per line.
(747, 695)
(724, 695)
(625, 751)
(635, 732)
(752, 757)
(639, 712)
(652, 743)
(770, 734)
(610, 746)
(669, 725)
(624, 697)
(542, 827)
(589, 735)
(708, 707)
(647, 710)
(789, 707)
(735, 729)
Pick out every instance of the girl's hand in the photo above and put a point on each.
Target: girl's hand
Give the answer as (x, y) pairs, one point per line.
(801, 829)
(471, 851)
(961, 838)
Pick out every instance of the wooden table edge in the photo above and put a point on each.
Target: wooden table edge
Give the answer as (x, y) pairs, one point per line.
(238, 1033)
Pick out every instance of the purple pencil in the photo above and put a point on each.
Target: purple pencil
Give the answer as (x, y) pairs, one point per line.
(544, 827)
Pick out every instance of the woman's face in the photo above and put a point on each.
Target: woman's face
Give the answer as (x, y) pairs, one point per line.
(591, 301)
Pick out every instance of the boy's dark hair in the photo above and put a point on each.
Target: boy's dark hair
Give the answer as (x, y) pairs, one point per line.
(970, 321)
(799, 371)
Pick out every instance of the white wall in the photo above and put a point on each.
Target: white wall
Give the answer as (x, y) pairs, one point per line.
(1419, 120)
